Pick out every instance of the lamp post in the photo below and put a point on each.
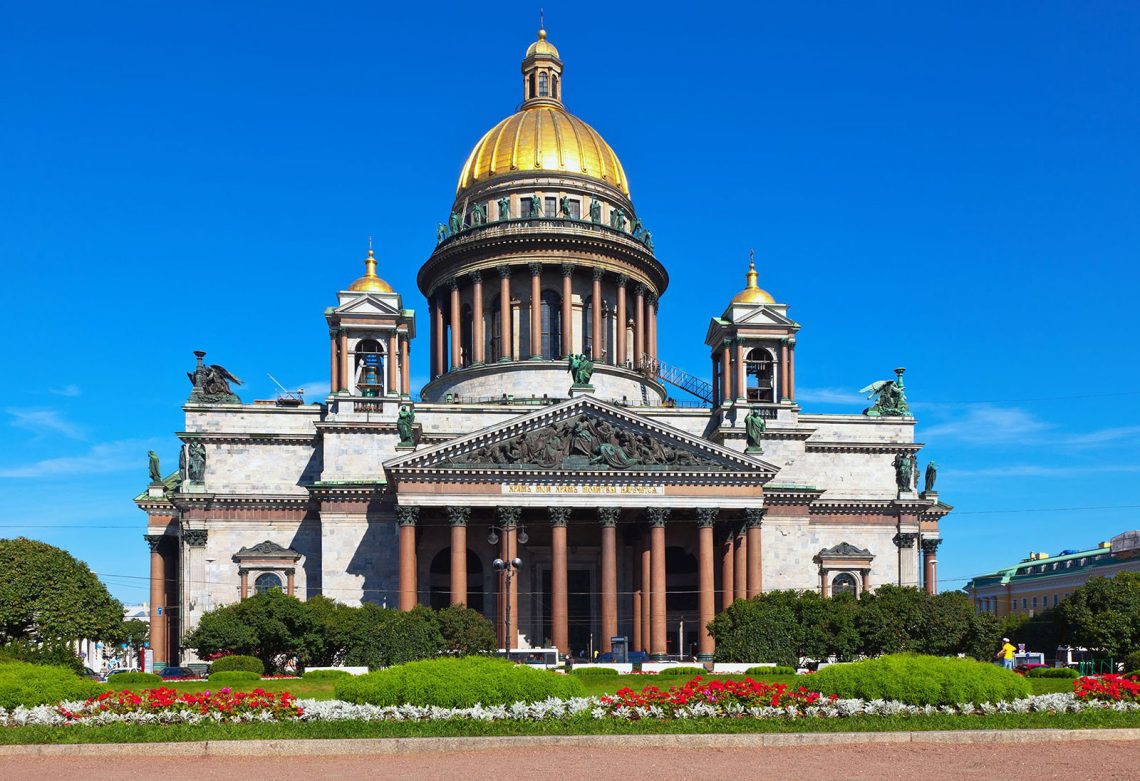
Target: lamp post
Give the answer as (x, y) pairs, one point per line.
(508, 568)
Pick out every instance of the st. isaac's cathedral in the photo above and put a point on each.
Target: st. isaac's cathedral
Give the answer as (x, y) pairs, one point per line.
(640, 499)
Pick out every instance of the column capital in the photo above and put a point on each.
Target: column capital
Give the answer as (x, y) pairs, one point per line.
(622, 280)
(509, 516)
(706, 516)
(558, 515)
(567, 269)
(905, 539)
(597, 273)
(457, 516)
(153, 541)
(930, 545)
(453, 283)
(639, 289)
(535, 269)
(651, 299)
(608, 516)
(195, 538)
(504, 271)
(476, 276)
(754, 517)
(657, 516)
(407, 516)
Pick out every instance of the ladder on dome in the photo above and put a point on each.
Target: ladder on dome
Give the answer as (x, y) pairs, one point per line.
(678, 377)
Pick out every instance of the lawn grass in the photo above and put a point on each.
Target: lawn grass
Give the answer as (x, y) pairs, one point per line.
(578, 725)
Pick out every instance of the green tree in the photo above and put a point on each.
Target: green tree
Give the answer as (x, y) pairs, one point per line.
(466, 632)
(892, 619)
(384, 637)
(1039, 632)
(761, 629)
(271, 626)
(1103, 614)
(47, 595)
(336, 625)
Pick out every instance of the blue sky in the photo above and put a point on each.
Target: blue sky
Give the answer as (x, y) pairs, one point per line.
(953, 188)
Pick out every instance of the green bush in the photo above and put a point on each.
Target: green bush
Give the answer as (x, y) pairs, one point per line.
(321, 675)
(594, 672)
(382, 637)
(125, 679)
(457, 683)
(1053, 672)
(27, 684)
(683, 671)
(777, 670)
(237, 662)
(57, 654)
(921, 680)
(1131, 661)
(234, 676)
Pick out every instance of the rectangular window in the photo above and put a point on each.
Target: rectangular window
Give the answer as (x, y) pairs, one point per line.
(1054, 600)
(575, 208)
(1035, 603)
(551, 205)
(525, 208)
(1024, 603)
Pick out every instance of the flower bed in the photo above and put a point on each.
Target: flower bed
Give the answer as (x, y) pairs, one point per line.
(162, 703)
(1108, 688)
(713, 697)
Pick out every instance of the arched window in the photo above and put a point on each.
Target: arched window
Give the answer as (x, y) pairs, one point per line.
(466, 327)
(543, 88)
(761, 376)
(843, 583)
(266, 581)
(369, 367)
(588, 326)
(551, 312)
(532, 93)
(554, 84)
(439, 588)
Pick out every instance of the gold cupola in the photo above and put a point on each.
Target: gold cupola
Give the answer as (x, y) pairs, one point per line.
(370, 283)
(753, 293)
(542, 136)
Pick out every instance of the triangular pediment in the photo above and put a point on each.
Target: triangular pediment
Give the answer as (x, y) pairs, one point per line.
(761, 316)
(371, 304)
(582, 435)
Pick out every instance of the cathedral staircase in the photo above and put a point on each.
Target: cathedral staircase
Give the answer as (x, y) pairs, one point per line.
(678, 377)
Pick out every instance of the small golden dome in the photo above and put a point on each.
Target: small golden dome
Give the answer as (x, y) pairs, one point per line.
(370, 283)
(543, 138)
(542, 46)
(753, 293)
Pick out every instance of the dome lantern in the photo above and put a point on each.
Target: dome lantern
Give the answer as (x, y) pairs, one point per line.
(370, 282)
(542, 74)
(753, 293)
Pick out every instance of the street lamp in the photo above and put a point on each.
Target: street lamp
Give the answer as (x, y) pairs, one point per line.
(508, 568)
(493, 535)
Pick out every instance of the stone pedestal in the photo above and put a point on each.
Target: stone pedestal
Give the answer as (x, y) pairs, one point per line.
(581, 390)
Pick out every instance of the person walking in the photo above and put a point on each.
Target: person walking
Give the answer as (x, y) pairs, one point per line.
(1005, 654)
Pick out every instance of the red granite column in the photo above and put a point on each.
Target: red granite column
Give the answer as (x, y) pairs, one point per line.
(478, 336)
(158, 648)
(506, 321)
(930, 564)
(567, 310)
(657, 609)
(393, 363)
(407, 517)
(438, 351)
(784, 370)
(405, 366)
(639, 326)
(509, 522)
(608, 516)
(727, 576)
(334, 383)
(706, 604)
(866, 581)
(535, 310)
(741, 372)
(596, 316)
(622, 352)
(726, 393)
(824, 586)
(559, 588)
(651, 330)
(345, 385)
(792, 371)
(755, 517)
(740, 566)
(291, 582)
(456, 328)
(457, 517)
(244, 590)
(646, 592)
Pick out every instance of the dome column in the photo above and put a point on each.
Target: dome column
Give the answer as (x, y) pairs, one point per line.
(741, 372)
(477, 336)
(639, 327)
(784, 371)
(651, 330)
(622, 354)
(334, 372)
(725, 373)
(439, 336)
(506, 342)
(596, 317)
(535, 311)
(567, 310)
(456, 327)
(405, 366)
(792, 371)
(344, 360)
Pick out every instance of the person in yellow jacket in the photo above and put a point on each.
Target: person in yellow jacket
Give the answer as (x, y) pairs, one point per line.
(1005, 654)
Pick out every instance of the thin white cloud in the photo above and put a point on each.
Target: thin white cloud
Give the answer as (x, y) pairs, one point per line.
(41, 421)
(1036, 470)
(122, 456)
(832, 396)
(71, 391)
(1104, 436)
(315, 391)
(986, 424)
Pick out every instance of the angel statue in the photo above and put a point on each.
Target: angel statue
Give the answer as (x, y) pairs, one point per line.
(581, 369)
(891, 401)
(212, 383)
(904, 471)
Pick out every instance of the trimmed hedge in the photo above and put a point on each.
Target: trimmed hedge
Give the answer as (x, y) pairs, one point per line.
(57, 655)
(594, 672)
(234, 676)
(22, 683)
(921, 680)
(1053, 672)
(777, 670)
(457, 683)
(320, 675)
(132, 678)
(238, 663)
(686, 671)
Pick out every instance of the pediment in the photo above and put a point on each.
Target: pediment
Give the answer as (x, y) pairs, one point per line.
(582, 435)
(762, 316)
(371, 304)
(845, 550)
(267, 550)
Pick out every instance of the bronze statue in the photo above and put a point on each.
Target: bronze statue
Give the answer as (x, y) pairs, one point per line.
(196, 462)
(405, 425)
(595, 210)
(504, 208)
(211, 383)
(647, 240)
(904, 471)
(152, 465)
(479, 214)
(564, 207)
(617, 219)
(535, 206)
(440, 233)
(455, 223)
(581, 369)
(931, 476)
(891, 401)
(754, 427)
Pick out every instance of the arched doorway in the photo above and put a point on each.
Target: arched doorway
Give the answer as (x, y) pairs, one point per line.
(682, 589)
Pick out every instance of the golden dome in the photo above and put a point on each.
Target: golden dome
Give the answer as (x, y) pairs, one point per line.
(542, 46)
(370, 283)
(543, 138)
(753, 293)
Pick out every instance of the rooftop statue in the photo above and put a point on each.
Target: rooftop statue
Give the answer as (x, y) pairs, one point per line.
(904, 471)
(891, 401)
(595, 210)
(405, 425)
(440, 233)
(535, 206)
(455, 223)
(479, 214)
(504, 208)
(931, 476)
(152, 465)
(581, 368)
(617, 219)
(754, 428)
(564, 208)
(212, 383)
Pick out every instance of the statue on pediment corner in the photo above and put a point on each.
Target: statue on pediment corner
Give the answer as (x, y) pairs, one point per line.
(211, 383)
(904, 471)
(581, 369)
(931, 476)
(405, 425)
